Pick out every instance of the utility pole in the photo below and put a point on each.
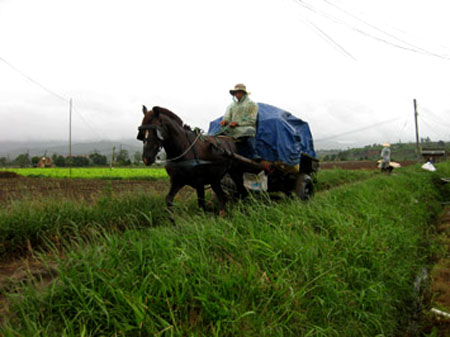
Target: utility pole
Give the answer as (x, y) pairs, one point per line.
(112, 156)
(70, 138)
(417, 130)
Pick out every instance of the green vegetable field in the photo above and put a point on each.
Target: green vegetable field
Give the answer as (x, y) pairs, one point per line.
(93, 172)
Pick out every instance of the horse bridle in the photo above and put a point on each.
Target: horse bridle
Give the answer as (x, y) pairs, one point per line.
(142, 136)
(159, 134)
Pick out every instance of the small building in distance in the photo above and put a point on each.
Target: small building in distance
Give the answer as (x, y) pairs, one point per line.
(45, 162)
(436, 155)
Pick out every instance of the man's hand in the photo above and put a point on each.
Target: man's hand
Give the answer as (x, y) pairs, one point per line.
(233, 124)
(223, 123)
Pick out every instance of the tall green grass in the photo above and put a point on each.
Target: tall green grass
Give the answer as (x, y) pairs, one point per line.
(340, 265)
(331, 178)
(30, 223)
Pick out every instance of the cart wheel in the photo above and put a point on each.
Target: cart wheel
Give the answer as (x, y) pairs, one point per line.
(304, 187)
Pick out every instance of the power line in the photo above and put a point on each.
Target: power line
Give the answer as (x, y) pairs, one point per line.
(404, 125)
(437, 125)
(85, 102)
(86, 123)
(327, 38)
(356, 130)
(434, 117)
(379, 29)
(401, 31)
(372, 36)
(51, 92)
(422, 120)
(437, 122)
(330, 40)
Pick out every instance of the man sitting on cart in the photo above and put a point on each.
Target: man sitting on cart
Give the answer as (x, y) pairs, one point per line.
(239, 121)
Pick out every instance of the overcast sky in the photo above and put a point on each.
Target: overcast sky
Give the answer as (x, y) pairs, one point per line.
(351, 68)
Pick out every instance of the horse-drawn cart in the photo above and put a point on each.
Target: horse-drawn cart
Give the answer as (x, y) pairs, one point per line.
(283, 155)
(281, 158)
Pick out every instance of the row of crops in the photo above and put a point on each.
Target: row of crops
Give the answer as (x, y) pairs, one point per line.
(92, 172)
(343, 264)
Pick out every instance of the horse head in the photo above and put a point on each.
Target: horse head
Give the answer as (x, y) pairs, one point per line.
(152, 133)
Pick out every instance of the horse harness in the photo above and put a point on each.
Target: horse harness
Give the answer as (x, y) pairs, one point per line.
(170, 162)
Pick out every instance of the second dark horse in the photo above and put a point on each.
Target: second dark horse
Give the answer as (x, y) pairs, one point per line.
(192, 159)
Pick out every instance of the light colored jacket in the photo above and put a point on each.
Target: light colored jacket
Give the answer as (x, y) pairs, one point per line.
(386, 154)
(245, 113)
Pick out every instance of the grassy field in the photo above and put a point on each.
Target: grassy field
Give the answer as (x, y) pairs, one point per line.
(34, 221)
(331, 178)
(343, 264)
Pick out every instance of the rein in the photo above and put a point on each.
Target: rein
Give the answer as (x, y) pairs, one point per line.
(187, 150)
(159, 135)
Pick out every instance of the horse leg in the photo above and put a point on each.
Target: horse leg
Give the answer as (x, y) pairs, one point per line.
(174, 188)
(201, 197)
(220, 195)
(238, 178)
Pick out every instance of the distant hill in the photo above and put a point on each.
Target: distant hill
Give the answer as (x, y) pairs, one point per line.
(39, 148)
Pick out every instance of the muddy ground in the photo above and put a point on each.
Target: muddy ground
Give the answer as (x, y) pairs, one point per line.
(15, 187)
(358, 165)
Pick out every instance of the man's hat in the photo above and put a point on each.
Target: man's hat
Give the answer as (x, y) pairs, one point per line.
(239, 87)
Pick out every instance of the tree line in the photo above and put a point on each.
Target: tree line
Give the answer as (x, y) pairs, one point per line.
(399, 151)
(122, 158)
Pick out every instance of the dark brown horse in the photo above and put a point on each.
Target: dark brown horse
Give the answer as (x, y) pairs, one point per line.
(192, 158)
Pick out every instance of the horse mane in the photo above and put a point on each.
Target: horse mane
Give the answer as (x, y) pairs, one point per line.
(167, 113)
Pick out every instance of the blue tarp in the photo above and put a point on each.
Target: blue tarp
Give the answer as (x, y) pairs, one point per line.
(280, 136)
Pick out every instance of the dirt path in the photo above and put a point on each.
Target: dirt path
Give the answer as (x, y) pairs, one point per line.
(358, 165)
(16, 187)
